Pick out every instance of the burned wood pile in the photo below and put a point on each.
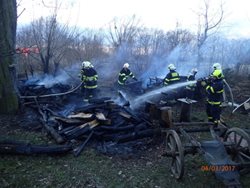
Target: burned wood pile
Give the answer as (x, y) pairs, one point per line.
(101, 120)
(73, 123)
(38, 88)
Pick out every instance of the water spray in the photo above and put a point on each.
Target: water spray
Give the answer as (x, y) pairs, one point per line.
(137, 101)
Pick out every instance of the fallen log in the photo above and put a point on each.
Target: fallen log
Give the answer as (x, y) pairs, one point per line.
(58, 138)
(17, 147)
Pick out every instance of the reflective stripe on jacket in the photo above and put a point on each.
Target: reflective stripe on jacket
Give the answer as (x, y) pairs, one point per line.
(171, 77)
(89, 78)
(215, 92)
(124, 75)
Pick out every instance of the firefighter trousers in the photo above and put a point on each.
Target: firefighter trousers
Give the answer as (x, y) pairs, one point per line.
(213, 112)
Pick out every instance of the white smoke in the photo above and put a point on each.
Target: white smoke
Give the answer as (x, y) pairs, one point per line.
(64, 76)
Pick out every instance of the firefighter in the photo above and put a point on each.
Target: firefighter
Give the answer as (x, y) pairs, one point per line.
(214, 90)
(217, 66)
(190, 89)
(124, 74)
(172, 76)
(89, 79)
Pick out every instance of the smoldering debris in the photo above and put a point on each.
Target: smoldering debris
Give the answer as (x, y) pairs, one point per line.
(70, 121)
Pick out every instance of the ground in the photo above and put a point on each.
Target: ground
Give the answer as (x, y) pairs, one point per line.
(94, 169)
(146, 168)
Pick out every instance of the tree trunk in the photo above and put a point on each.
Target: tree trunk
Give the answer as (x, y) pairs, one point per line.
(8, 20)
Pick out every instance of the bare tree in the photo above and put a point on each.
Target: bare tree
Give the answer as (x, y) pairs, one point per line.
(123, 31)
(8, 21)
(52, 40)
(91, 45)
(209, 20)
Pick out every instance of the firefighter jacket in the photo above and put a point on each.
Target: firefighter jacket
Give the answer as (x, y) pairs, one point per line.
(222, 75)
(215, 92)
(89, 78)
(171, 77)
(124, 75)
(191, 86)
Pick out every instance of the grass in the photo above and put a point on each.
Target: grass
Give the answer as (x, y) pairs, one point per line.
(93, 169)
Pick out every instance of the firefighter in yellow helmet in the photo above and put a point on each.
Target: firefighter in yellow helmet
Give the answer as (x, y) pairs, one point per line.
(89, 79)
(214, 90)
(217, 66)
(124, 74)
(172, 76)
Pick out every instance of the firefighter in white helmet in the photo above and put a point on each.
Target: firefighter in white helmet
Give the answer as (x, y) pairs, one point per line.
(190, 89)
(172, 76)
(124, 74)
(217, 66)
(89, 79)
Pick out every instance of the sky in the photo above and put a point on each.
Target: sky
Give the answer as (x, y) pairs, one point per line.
(161, 14)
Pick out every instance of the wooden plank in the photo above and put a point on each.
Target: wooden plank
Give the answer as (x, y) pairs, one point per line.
(67, 120)
(185, 115)
(81, 115)
(100, 116)
(166, 117)
(187, 100)
(124, 114)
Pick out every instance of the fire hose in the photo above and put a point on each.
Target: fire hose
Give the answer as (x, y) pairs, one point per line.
(230, 92)
(51, 95)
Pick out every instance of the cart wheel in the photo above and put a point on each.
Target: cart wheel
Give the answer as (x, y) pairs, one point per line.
(175, 150)
(240, 148)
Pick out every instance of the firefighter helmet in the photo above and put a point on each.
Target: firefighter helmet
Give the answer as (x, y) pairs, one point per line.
(217, 74)
(171, 67)
(126, 65)
(86, 64)
(194, 70)
(216, 66)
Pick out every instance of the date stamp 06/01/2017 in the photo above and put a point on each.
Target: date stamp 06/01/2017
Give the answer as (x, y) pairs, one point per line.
(216, 168)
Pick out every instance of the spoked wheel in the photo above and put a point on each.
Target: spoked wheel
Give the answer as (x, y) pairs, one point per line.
(175, 150)
(239, 148)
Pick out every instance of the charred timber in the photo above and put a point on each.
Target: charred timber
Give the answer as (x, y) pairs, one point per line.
(134, 116)
(193, 123)
(78, 150)
(58, 138)
(100, 100)
(137, 135)
(90, 108)
(131, 136)
(128, 128)
(15, 147)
